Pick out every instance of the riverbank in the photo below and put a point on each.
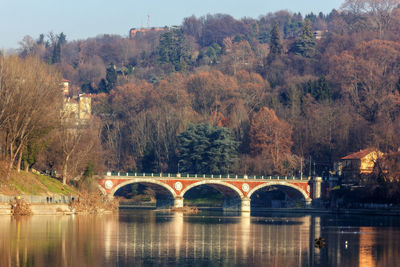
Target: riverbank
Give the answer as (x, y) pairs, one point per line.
(40, 209)
(31, 193)
(52, 209)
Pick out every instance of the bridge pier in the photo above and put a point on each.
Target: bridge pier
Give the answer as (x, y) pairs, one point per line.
(317, 191)
(178, 202)
(245, 204)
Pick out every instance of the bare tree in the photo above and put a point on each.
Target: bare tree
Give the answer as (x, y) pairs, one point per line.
(30, 98)
(381, 10)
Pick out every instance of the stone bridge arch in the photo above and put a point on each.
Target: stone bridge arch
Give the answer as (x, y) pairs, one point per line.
(299, 189)
(143, 181)
(220, 183)
(165, 195)
(232, 195)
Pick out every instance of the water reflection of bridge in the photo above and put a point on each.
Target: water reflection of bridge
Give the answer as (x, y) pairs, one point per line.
(236, 240)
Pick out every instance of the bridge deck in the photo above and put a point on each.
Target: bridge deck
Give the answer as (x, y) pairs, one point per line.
(126, 175)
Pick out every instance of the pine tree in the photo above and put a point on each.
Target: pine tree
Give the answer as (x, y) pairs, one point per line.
(60, 40)
(275, 43)
(321, 89)
(207, 149)
(305, 44)
(56, 57)
(173, 50)
(111, 77)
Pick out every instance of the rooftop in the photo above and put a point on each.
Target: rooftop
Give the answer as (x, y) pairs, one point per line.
(360, 154)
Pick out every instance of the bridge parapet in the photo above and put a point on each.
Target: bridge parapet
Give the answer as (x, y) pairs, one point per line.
(128, 175)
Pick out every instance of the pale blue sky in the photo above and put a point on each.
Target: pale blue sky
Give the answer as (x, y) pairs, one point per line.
(80, 19)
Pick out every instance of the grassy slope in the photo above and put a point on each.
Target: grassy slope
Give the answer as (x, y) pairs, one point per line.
(27, 183)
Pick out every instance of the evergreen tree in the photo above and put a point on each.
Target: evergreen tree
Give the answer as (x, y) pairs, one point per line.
(102, 88)
(56, 57)
(275, 43)
(173, 50)
(322, 90)
(60, 40)
(149, 160)
(111, 77)
(318, 89)
(87, 180)
(207, 149)
(305, 44)
(87, 88)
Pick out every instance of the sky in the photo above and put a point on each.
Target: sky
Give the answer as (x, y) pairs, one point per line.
(81, 19)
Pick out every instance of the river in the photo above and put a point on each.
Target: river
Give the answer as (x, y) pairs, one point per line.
(152, 238)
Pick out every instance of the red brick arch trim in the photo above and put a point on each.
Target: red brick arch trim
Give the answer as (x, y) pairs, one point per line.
(149, 181)
(208, 182)
(253, 190)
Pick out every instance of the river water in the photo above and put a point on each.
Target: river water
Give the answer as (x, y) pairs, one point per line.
(151, 238)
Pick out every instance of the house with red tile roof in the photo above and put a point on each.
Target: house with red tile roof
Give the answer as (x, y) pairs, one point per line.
(356, 164)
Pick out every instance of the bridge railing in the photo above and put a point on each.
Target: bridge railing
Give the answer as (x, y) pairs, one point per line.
(202, 176)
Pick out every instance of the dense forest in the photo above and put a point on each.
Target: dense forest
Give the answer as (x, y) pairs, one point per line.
(273, 95)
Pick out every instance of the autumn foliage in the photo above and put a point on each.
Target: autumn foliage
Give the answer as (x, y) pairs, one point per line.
(271, 139)
(296, 92)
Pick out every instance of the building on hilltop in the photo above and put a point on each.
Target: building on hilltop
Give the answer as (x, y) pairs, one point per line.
(318, 34)
(134, 31)
(78, 108)
(65, 84)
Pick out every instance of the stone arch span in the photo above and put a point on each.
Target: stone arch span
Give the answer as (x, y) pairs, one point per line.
(300, 190)
(232, 195)
(144, 181)
(165, 195)
(218, 184)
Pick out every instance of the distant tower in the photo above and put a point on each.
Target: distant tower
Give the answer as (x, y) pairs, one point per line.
(148, 20)
(65, 84)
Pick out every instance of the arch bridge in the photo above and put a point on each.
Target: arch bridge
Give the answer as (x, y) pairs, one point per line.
(171, 188)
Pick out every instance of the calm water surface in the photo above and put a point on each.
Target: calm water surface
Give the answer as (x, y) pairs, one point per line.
(150, 238)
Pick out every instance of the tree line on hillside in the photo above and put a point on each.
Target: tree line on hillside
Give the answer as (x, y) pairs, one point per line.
(36, 128)
(263, 96)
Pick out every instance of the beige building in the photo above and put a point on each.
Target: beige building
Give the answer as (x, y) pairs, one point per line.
(78, 108)
(65, 85)
(359, 163)
(318, 34)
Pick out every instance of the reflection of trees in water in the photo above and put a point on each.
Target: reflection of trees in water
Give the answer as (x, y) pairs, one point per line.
(148, 237)
(52, 240)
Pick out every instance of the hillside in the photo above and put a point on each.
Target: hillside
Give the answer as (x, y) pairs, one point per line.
(280, 94)
(27, 183)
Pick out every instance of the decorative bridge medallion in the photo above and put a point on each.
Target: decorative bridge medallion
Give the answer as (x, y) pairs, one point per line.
(108, 184)
(245, 187)
(178, 186)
